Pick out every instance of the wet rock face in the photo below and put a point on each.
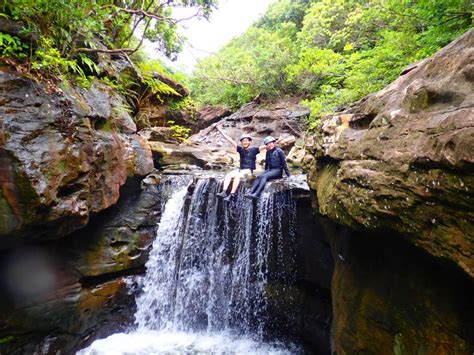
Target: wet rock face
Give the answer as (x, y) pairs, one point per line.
(390, 297)
(402, 158)
(61, 295)
(64, 154)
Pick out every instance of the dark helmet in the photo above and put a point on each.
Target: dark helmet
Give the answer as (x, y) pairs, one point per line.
(243, 136)
(268, 139)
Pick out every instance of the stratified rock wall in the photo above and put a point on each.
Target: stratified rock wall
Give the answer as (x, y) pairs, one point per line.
(390, 297)
(208, 149)
(403, 158)
(60, 295)
(398, 169)
(64, 154)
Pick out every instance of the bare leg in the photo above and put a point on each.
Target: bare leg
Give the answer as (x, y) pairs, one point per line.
(228, 178)
(235, 184)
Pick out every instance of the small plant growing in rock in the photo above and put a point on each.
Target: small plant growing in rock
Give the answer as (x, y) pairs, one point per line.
(179, 132)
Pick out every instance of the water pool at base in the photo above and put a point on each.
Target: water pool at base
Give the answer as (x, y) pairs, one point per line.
(164, 342)
(205, 287)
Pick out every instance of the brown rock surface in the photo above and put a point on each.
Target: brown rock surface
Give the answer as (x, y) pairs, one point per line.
(64, 154)
(209, 115)
(390, 297)
(74, 288)
(209, 150)
(403, 158)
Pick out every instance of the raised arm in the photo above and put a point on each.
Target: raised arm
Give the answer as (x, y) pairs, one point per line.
(226, 136)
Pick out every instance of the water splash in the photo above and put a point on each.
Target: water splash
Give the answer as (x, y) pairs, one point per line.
(211, 263)
(155, 304)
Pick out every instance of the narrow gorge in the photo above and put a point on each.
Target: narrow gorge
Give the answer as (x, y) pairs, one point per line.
(112, 238)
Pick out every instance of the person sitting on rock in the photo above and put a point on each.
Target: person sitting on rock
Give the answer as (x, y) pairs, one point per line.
(275, 164)
(248, 156)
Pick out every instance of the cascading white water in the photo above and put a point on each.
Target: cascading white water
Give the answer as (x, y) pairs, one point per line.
(155, 305)
(206, 277)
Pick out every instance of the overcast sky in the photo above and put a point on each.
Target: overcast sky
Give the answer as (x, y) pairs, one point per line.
(231, 19)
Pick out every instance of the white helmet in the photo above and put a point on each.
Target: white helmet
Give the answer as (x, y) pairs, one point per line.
(243, 136)
(268, 139)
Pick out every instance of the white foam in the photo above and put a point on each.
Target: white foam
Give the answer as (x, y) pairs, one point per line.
(163, 342)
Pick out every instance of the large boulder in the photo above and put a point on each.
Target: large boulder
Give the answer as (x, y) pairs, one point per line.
(178, 157)
(259, 120)
(403, 158)
(209, 115)
(64, 154)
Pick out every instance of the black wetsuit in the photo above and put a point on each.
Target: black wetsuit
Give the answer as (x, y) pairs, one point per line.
(275, 164)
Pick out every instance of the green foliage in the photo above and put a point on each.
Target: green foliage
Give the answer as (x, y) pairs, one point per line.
(69, 29)
(7, 339)
(11, 46)
(186, 104)
(251, 64)
(179, 132)
(284, 11)
(332, 51)
(155, 87)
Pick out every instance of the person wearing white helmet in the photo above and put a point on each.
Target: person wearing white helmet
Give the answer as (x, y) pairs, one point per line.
(248, 157)
(275, 164)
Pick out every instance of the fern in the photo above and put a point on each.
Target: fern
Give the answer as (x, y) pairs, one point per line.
(12, 46)
(89, 63)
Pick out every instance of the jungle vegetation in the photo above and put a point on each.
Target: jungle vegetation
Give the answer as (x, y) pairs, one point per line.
(328, 52)
(64, 39)
(331, 52)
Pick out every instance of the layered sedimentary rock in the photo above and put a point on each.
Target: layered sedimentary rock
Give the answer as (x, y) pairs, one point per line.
(64, 154)
(209, 150)
(62, 294)
(397, 168)
(403, 158)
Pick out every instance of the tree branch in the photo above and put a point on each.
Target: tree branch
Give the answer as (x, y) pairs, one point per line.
(108, 51)
(147, 14)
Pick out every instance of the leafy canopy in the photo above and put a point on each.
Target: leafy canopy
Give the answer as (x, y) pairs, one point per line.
(332, 52)
(57, 34)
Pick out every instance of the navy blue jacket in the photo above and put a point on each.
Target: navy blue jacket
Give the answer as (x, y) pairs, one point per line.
(275, 159)
(247, 157)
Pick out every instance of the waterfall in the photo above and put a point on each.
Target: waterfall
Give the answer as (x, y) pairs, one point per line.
(159, 283)
(211, 262)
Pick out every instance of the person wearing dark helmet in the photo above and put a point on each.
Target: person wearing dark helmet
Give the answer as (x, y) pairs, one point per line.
(275, 164)
(248, 156)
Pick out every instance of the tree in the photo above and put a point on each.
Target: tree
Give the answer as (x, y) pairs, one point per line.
(66, 28)
(251, 64)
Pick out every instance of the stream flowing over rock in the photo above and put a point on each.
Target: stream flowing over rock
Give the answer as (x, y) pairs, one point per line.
(229, 270)
(371, 252)
(400, 164)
